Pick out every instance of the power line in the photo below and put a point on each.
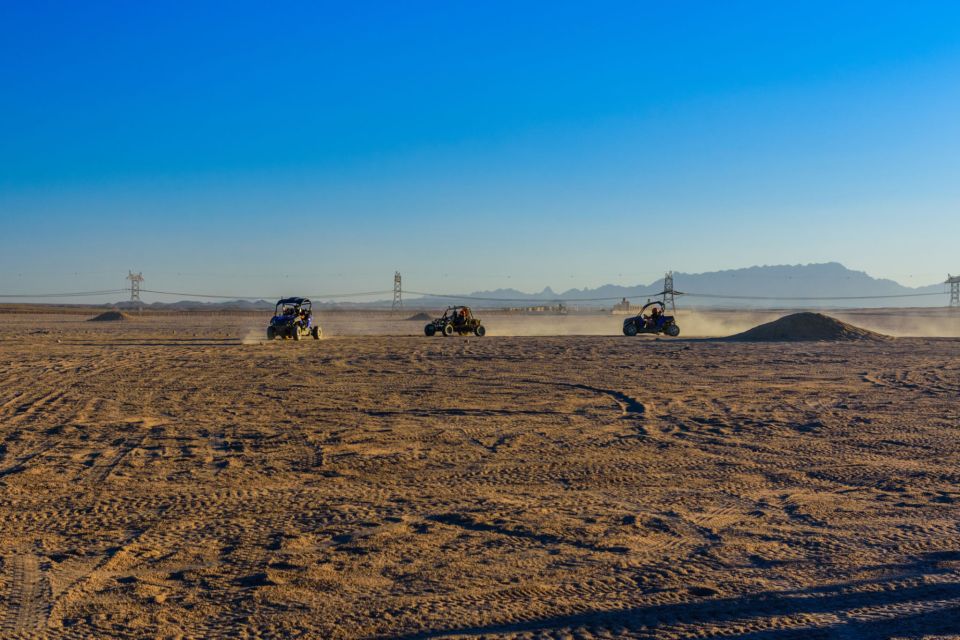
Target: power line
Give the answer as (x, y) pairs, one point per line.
(731, 297)
(669, 295)
(268, 297)
(136, 281)
(671, 291)
(397, 292)
(74, 294)
(554, 299)
(638, 291)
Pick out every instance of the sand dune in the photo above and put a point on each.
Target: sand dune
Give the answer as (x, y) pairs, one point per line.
(163, 479)
(806, 326)
(110, 316)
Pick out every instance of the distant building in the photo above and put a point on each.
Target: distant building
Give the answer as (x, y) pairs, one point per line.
(624, 308)
(559, 308)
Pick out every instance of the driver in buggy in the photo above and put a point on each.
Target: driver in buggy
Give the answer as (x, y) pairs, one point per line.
(459, 317)
(654, 318)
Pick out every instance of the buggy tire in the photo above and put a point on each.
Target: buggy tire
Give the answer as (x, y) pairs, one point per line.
(295, 333)
(316, 332)
(448, 330)
(271, 334)
(630, 329)
(672, 330)
(480, 331)
(429, 330)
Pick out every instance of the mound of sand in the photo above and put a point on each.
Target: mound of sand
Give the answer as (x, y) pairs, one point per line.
(110, 316)
(420, 316)
(806, 326)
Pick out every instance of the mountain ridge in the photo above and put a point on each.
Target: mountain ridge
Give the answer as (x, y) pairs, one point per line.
(816, 281)
(771, 285)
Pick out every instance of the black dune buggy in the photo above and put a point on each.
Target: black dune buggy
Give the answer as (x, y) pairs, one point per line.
(293, 318)
(455, 320)
(654, 322)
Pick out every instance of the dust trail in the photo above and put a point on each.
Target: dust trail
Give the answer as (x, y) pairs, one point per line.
(254, 336)
(572, 325)
(694, 323)
(707, 324)
(259, 336)
(698, 324)
(907, 323)
(919, 323)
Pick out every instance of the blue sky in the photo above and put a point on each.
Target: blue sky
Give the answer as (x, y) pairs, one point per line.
(255, 149)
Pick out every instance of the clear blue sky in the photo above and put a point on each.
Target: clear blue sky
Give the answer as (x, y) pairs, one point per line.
(266, 148)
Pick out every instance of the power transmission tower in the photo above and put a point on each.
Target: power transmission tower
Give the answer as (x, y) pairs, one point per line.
(397, 292)
(135, 280)
(954, 282)
(668, 292)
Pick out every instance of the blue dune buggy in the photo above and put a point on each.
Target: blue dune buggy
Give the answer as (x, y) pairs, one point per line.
(293, 318)
(655, 322)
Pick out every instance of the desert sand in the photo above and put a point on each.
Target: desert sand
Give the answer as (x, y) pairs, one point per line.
(177, 477)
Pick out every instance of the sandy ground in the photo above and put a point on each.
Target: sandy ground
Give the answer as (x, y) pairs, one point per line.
(161, 478)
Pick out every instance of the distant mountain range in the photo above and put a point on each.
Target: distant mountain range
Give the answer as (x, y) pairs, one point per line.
(754, 287)
(770, 286)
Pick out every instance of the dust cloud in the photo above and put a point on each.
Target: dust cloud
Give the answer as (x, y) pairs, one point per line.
(253, 336)
(907, 323)
(570, 325)
(695, 324)
(707, 324)
(716, 323)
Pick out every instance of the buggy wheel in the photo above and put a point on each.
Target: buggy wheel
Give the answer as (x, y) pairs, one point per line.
(480, 331)
(630, 329)
(448, 330)
(672, 330)
(429, 330)
(295, 333)
(271, 334)
(316, 332)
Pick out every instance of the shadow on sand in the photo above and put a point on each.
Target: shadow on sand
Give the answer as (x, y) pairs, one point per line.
(914, 608)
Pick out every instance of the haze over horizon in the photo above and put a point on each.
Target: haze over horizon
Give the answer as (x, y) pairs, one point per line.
(473, 147)
(825, 285)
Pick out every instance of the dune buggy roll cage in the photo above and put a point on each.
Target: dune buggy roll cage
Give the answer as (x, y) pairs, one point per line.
(303, 303)
(456, 310)
(650, 304)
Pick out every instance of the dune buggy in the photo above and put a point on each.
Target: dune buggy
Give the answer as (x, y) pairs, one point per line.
(654, 322)
(455, 320)
(293, 318)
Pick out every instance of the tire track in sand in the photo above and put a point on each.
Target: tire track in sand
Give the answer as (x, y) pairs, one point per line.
(630, 407)
(28, 600)
(103, 472)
